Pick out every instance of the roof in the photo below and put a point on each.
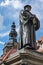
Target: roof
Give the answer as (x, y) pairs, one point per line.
(0, 60)
(41, 38)
(40, 41)
(8, 54)
(40, 50)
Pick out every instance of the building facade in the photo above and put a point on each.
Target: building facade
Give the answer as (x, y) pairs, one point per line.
(25, 55)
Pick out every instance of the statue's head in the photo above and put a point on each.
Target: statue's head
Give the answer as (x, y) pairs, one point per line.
(27, 7)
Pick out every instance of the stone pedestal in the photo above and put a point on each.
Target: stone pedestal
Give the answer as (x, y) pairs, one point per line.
(25, 57)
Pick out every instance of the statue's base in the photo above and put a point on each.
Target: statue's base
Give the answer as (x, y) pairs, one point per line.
(29, 47)
(25, 56)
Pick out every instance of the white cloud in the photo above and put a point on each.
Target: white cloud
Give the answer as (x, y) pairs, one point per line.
(4, 3)
(2, 42)
(4, 34)
(41, 0)
(1, 22)
(15, 3)
(37, 8)
(17, 29)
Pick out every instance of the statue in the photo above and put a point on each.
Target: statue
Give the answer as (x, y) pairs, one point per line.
(29, 23)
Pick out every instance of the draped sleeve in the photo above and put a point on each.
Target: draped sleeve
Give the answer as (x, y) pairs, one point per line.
(36, 22)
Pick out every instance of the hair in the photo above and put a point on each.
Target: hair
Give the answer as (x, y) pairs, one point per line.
(27, 6)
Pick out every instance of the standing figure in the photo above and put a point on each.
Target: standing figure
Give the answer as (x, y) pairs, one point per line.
(29, 23)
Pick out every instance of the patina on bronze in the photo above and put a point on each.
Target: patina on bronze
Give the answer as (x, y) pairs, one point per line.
(29, 23)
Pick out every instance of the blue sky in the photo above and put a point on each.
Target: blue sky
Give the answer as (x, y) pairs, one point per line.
(9, 12)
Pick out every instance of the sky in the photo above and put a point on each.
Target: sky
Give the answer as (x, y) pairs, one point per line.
(9, 12)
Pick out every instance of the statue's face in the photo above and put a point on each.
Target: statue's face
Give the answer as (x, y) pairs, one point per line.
(28, 8)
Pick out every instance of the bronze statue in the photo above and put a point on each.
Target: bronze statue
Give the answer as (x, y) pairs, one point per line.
(29, 23)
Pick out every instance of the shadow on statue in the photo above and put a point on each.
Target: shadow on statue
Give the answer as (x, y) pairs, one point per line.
(29, 23)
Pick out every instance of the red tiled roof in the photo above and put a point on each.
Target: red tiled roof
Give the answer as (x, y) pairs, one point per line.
(40, 49)
(41, 38)
(0, 58)
(14, 50)
(8, 54)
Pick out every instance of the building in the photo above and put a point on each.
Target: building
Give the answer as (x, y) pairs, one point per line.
(10, 46)
(28, 53)
(40, 42)
(24, 57)
(13, 56)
